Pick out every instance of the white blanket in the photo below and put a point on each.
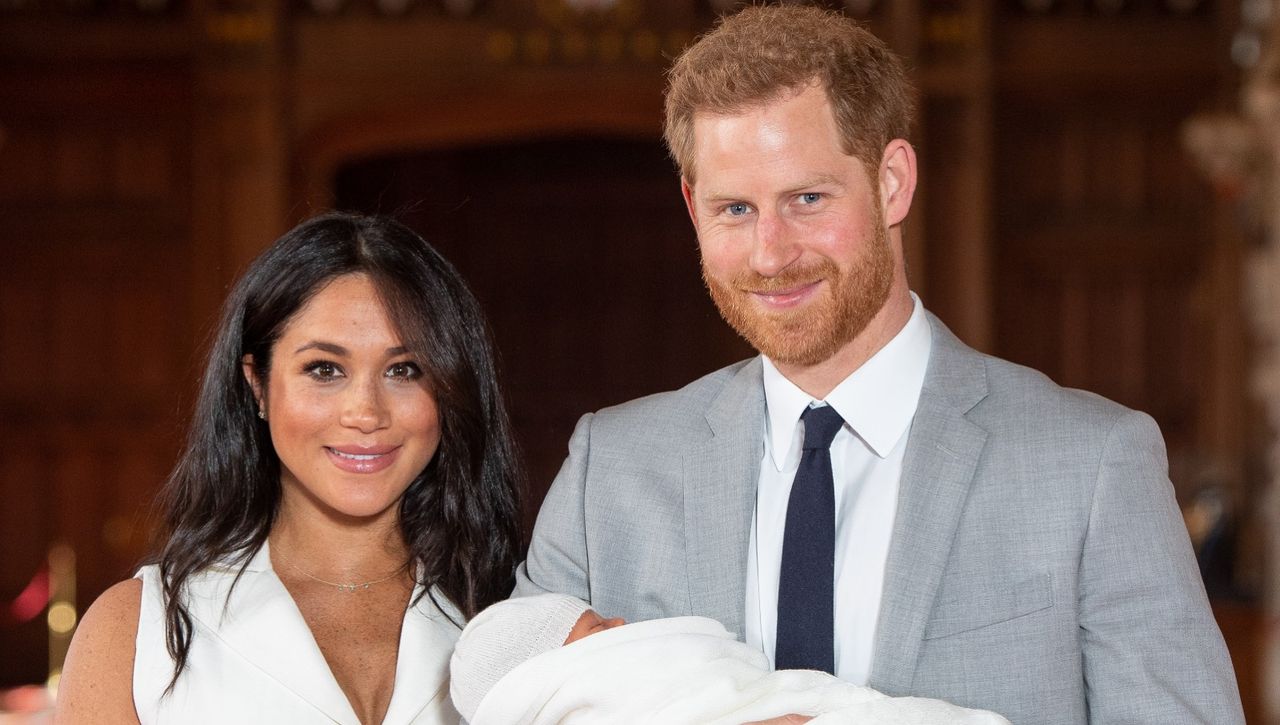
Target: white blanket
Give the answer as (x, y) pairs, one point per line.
(690, 670)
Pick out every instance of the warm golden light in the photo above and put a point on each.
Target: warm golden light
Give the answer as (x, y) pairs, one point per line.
(62, 618)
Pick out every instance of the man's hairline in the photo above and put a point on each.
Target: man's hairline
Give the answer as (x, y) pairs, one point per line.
(745, 106)
(687, 176)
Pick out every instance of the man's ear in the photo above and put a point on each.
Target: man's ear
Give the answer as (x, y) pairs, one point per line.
(687, 192)
(250, 375)
(897, 180)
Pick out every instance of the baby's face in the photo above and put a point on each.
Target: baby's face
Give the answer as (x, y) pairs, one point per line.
(590, 623)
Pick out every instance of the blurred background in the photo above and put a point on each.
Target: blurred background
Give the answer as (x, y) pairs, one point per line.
(1096, 201)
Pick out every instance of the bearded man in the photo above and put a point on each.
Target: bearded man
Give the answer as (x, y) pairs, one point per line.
(869, 496)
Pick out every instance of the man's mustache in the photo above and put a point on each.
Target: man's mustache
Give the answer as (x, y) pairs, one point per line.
(788, 279)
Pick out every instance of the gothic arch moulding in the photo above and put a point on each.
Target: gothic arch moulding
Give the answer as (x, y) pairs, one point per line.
(478, 116)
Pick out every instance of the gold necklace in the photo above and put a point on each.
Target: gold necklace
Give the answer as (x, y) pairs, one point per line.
(349, 587)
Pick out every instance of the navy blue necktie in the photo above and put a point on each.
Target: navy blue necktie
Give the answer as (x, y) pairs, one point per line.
(806, 583)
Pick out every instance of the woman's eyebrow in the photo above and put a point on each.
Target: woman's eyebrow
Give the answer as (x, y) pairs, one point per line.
(328, 347)
(335, 349)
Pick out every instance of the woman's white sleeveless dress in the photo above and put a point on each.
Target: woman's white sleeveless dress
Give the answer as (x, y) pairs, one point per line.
(253, 659)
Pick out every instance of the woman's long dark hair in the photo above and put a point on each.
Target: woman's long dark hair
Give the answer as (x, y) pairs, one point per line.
(460, 517)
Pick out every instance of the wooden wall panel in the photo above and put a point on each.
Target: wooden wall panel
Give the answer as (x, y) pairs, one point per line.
(95, 325)
(947, 236)
(1106, 250)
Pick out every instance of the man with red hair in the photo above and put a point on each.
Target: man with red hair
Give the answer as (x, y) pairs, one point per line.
(869, 496)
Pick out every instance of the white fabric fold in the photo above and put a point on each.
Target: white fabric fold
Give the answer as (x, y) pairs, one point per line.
(690, 670)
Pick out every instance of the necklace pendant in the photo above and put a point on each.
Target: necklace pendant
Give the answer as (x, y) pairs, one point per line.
(345, 587)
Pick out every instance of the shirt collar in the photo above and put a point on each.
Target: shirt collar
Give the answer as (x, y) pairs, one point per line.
(878, 400)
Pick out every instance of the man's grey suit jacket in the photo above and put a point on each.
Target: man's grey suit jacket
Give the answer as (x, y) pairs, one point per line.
(1039, 566)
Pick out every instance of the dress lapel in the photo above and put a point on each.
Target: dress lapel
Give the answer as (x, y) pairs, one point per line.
(426, 643)
(938, 467)
(720, 476)
(262, 624)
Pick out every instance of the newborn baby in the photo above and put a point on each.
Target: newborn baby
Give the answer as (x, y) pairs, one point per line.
(551, 659)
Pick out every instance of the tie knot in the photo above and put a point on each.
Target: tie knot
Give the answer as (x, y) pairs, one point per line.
(820, 426)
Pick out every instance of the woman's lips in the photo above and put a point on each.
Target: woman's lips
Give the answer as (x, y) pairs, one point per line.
(786, 298)
(354, 459)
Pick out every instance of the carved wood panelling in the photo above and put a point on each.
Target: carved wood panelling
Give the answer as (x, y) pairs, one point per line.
(95, 325)
(1106, 259)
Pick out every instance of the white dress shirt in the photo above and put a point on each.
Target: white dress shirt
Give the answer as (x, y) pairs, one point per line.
(877, 402)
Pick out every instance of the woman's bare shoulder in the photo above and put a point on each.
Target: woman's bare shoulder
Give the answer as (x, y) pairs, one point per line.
(97, 678)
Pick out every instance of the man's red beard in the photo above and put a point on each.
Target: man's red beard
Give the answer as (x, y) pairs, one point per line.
(814, 331)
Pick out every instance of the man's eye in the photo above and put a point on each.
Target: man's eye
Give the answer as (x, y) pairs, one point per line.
(737, 209)
(810, 197)
(404, 371)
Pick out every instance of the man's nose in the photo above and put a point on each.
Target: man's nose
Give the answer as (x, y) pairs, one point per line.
(774, 247)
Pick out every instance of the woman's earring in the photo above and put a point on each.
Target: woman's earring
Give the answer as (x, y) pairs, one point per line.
(262, 414)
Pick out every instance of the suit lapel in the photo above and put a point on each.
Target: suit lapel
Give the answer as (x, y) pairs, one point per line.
(938, 467)
(720, 477)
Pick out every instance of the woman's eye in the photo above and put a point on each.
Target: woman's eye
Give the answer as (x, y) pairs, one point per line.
(404, 371)
(323, 370)
(737, 209)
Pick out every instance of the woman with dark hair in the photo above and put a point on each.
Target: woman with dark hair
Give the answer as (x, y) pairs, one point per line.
(348, 495)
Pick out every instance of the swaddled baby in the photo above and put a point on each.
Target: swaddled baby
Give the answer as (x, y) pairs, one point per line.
(551, 659)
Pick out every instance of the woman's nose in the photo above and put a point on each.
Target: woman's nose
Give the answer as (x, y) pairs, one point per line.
(364, 408)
